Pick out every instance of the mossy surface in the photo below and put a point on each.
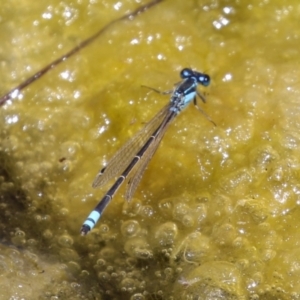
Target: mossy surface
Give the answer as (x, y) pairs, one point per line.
(216, 214)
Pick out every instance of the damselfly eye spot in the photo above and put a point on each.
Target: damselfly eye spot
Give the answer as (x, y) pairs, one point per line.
(185, 73)
(204, 79)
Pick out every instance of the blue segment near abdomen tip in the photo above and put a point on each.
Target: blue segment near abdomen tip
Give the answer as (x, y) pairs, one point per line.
(92, 219)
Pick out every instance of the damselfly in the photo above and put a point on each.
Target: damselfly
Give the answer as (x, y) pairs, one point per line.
(135, 155)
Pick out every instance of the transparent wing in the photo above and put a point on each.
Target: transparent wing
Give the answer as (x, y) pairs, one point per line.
(144, 161)
(125, 154)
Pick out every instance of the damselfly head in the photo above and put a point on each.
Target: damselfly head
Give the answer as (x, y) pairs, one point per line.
(200, 78)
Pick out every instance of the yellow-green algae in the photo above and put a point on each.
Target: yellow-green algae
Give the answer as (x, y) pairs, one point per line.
(216, 215)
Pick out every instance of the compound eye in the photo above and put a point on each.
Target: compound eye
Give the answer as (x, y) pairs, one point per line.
(204, 79)
(186, 73)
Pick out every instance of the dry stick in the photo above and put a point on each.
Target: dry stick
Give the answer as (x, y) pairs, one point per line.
(43, 71)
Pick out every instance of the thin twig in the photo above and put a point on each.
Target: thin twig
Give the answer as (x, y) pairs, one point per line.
(52, 65)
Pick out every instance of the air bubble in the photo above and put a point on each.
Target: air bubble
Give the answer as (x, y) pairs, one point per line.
(70, 149)
(107, 253)
(128, 285)
(224, 234)
(212, 278)
(65, 241)
(166, 234)
(101, 262)
(183, 214)
(194, 248)
(188, 221)
(104, 277)
(68, 254)
(146, 211)
(103, 228)
(130, 228)
(64, 212)
(19, 238)
(74, 267)
(47, 234)
(263, 157)
(137, 296)
(138, 248)
(166, 206)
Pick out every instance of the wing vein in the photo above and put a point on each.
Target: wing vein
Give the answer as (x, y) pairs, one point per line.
(125, 154)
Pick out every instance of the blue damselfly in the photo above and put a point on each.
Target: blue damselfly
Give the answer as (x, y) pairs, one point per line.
(135, 155)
